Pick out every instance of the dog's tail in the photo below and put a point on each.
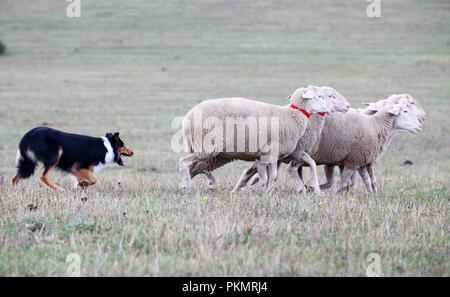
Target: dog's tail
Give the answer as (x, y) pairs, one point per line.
(26, 163)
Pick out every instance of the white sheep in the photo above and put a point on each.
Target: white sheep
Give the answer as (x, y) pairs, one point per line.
(372, 108)
(365, 171)
(205, 167)
(307, 143)
(204, 136)
(355, 141)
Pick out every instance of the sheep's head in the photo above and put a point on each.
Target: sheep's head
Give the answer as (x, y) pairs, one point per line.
(411, 101)
(338, 101)
(312, 99)
(404, 99)
(406, 118)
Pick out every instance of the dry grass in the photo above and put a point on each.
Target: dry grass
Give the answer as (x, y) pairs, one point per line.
(134, 66)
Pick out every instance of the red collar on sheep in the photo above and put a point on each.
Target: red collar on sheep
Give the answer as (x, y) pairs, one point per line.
(302, 110)
(321, 113)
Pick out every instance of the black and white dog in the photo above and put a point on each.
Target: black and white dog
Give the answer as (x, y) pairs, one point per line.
(76, 154)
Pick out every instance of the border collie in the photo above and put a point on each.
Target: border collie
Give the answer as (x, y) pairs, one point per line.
(76, 154)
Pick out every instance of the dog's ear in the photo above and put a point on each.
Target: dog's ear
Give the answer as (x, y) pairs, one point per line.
(116, 135)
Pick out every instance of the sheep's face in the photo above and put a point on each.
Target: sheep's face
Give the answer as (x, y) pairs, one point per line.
(338, 101)
(410, 101)
(406, 118)
(312, 99)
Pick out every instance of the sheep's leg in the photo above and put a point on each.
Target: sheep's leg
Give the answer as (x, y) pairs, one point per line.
(211, 180)
(300, 175)
(341, 170)
(293, 171)
(208, 165)
(268, 178)
(307, 158)
(273, 175)
(256, 177)
(268, 173)
(329, 174)
(352, 180)
(366, 179)
(188, 163)
(254, 180)
(345, 179)
(300, 172)
(262, 174)
(185, 165)
(372, 177)
(245, 177)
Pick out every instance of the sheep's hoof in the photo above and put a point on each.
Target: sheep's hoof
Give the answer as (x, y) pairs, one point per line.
(325, 186)
(302, 190)
(183, 187)
(340, 190)
(244, 189)
(269, 191)
(213, 187)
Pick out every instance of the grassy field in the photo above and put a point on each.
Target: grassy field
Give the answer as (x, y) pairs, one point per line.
(133, 66)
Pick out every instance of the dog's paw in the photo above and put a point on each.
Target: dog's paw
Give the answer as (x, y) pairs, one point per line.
(83, 184)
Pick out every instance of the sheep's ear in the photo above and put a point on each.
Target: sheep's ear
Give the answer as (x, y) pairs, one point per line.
(308, 95)
(373, 106)
(288, 97)
(403, 100)
(330, 91)
(394, 110)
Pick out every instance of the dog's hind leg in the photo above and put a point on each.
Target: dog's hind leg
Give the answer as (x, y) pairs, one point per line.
(49, 165)
(46, 180)
(15, 180)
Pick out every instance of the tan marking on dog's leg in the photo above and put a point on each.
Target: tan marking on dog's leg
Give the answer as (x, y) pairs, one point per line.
(47, 181)
(44, 177)
(15, 180)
